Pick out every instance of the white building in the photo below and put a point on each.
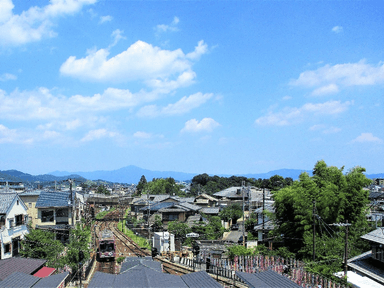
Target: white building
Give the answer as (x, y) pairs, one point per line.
(13, 220)
(163, 242)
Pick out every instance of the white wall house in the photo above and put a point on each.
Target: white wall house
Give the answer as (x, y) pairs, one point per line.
(13, 220)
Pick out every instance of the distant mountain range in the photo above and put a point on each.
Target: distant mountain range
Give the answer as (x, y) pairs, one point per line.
(132, 174)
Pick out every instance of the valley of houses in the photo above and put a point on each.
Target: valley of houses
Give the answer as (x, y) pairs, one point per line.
(60, 210)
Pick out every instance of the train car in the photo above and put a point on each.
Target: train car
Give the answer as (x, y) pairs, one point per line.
(107, 245)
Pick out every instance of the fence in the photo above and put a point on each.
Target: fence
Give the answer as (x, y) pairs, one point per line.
(290, 268)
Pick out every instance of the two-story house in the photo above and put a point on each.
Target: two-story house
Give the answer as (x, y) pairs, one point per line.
(13, 219)
(55, 212)
(30, 200)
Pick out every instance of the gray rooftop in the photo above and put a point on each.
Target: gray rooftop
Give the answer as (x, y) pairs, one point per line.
(266, 279)
(17, 264)
(131, 262)
(51, 281)
(53, 199)
(19, 280)
(365, 265)
(5, 201)
(376, 236)
(200, 279)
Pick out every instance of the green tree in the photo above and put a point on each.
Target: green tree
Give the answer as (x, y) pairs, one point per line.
(103, 190)
(337, 197)
(141, 185)
(41, 244)
(233, 212)
(78, 241)
(179, 229)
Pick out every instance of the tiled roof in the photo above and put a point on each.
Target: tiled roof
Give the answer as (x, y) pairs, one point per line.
(230, 193)
(131, 262)
(19, 280)
(189, 206)
(51, 281)
(17, 264)
(376, 195)
(365, 265)
(212, 210)
(376, 236)
(53, 199)
(5, 201)
(266, 279)
(206, 196)
(200, 280)
(268, 225)
(31, 193)
(158, 206)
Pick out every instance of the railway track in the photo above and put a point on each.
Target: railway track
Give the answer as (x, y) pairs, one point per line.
(128, 243)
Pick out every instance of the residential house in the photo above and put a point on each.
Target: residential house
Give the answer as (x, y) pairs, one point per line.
(30, 199)
(206, 201)
(11, 186)
(264, 223)
(55, 212)
(13, 219)
(232, 195)
(370, 264)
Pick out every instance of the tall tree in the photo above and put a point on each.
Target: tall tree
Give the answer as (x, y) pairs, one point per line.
(337, 197)
(141, 185)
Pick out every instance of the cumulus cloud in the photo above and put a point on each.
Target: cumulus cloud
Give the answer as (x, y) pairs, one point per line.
(146, 135)
(325, 90)
(328, 79)
(98, 134)
(182, 106)
(367, 137)
(171, 27)
(42, 104)
(141, 61)
(7, 76)
(35, 23)
(7, 135)
(293, 115)
(337, 29)
(205, 125)
(106, 18)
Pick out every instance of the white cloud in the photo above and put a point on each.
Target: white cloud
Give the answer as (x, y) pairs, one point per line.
(367, 137)
(205, 125)
(328, 79)
(106, 18)
(141, 61)
(42, 104)
(337, 29)
(7, 135)
(182, 106)
(286, 98)
(7, 76)
(171, 27)
(293, 115)
(36, 22)
(142, 135)
(98, 134)
(331, 130)
(146, 135)
(325, 90)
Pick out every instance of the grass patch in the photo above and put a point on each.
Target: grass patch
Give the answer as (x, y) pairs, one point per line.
(101, 215)
(142, 242)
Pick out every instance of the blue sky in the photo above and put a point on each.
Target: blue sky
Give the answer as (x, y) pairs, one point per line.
(222, 87)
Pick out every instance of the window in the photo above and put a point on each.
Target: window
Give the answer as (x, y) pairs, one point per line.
(19, 220)
(2, 220)
(11, 223)
(62, 212)
(47, 216)
(7, 248)
(30, 205)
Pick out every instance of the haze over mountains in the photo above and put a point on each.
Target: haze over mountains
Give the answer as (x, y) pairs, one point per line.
(132, 174)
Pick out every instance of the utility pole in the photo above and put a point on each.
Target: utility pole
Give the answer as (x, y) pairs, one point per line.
(263, 227)
(71, 200)
(243, 190)
(346, 224)
(314, 230)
